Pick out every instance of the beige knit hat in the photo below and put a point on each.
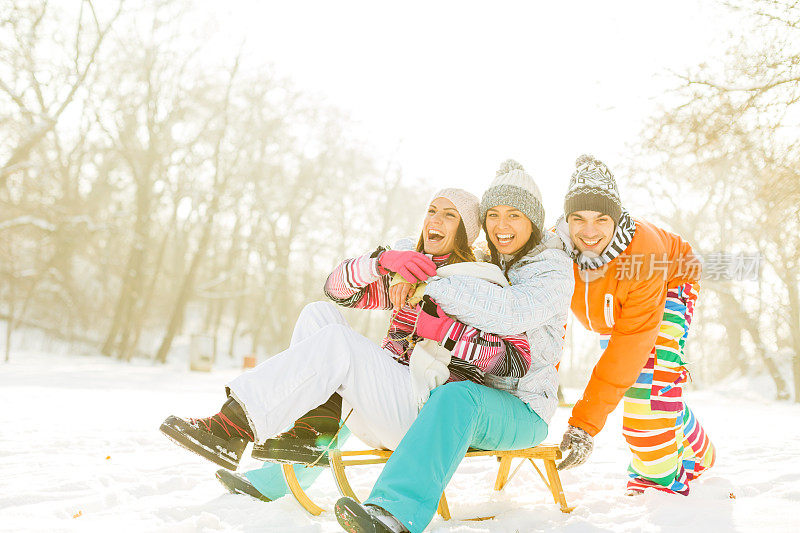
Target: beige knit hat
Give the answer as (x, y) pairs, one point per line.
(514, 187)
(467, 205)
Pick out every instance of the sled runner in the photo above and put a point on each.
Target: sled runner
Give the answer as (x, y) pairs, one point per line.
(339, 460)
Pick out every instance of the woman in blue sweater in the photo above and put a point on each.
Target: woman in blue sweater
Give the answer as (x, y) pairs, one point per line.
(504, 413)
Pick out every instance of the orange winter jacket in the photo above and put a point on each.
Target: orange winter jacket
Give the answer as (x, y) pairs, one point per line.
(627, 302)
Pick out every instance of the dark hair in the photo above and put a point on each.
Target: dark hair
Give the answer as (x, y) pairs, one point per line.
(533, 241)
(461, 250)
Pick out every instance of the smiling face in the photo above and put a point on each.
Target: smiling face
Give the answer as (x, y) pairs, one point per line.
(507, 228)
(440, 227)
(590, 231)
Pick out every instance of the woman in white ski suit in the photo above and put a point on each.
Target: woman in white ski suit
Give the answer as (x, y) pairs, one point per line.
(327, 356)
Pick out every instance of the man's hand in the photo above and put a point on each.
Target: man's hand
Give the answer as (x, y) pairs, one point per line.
(580, 445)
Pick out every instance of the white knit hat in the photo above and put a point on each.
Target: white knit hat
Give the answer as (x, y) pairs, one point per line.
(514, 187)
(467, 205)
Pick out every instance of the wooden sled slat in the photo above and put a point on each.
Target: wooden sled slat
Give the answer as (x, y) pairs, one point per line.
(298, 492)
(502, 472)
(337, 468)
(443, 509)
(555, 487)
(339, 460)
(547, 453)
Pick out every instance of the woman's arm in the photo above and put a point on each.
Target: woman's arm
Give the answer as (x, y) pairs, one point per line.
(539, 291)
(358, 283)
(501, 355)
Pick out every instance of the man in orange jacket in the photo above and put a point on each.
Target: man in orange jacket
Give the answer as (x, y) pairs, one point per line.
(635, 285)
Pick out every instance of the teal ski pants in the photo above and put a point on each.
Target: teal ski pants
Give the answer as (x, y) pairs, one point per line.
(457, 416)
(269, 478)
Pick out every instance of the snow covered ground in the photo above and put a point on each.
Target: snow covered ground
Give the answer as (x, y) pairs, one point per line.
(80, 451)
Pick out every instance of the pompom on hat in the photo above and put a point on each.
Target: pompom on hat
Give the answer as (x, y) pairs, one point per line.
(514, 187)
(592, 188)
(468, 207)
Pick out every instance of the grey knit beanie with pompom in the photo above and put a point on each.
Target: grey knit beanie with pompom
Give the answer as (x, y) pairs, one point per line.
(592, 188)
(514, 187)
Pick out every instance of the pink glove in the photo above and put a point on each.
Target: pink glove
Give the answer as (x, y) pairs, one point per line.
(432, 322)
(413, 266)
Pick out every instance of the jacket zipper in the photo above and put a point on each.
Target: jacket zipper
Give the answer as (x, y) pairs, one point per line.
(586, 303)
(608, 310)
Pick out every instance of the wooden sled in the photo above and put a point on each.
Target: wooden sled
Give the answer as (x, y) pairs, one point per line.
(547, 453)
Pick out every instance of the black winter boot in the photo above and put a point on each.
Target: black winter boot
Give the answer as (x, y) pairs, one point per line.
(221, 438)
(238, 484)
(355, 517)
(309, 440)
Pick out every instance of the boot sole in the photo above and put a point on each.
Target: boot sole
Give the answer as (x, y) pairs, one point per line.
(300, 454)
(236, 484)
(172, 428)
(354, 518)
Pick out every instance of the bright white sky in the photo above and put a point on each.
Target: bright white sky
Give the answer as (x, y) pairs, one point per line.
(448, 90)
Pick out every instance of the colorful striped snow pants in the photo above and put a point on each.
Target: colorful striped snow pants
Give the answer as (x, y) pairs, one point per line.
(669, 446)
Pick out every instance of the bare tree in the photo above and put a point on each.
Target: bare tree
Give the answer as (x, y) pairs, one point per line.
(144, 181)
(42, 107)
(151, 95)
(220, 181)
(41, 181)
(728, 150)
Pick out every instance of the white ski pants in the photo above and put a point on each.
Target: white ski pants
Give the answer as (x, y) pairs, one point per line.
(325, 356)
